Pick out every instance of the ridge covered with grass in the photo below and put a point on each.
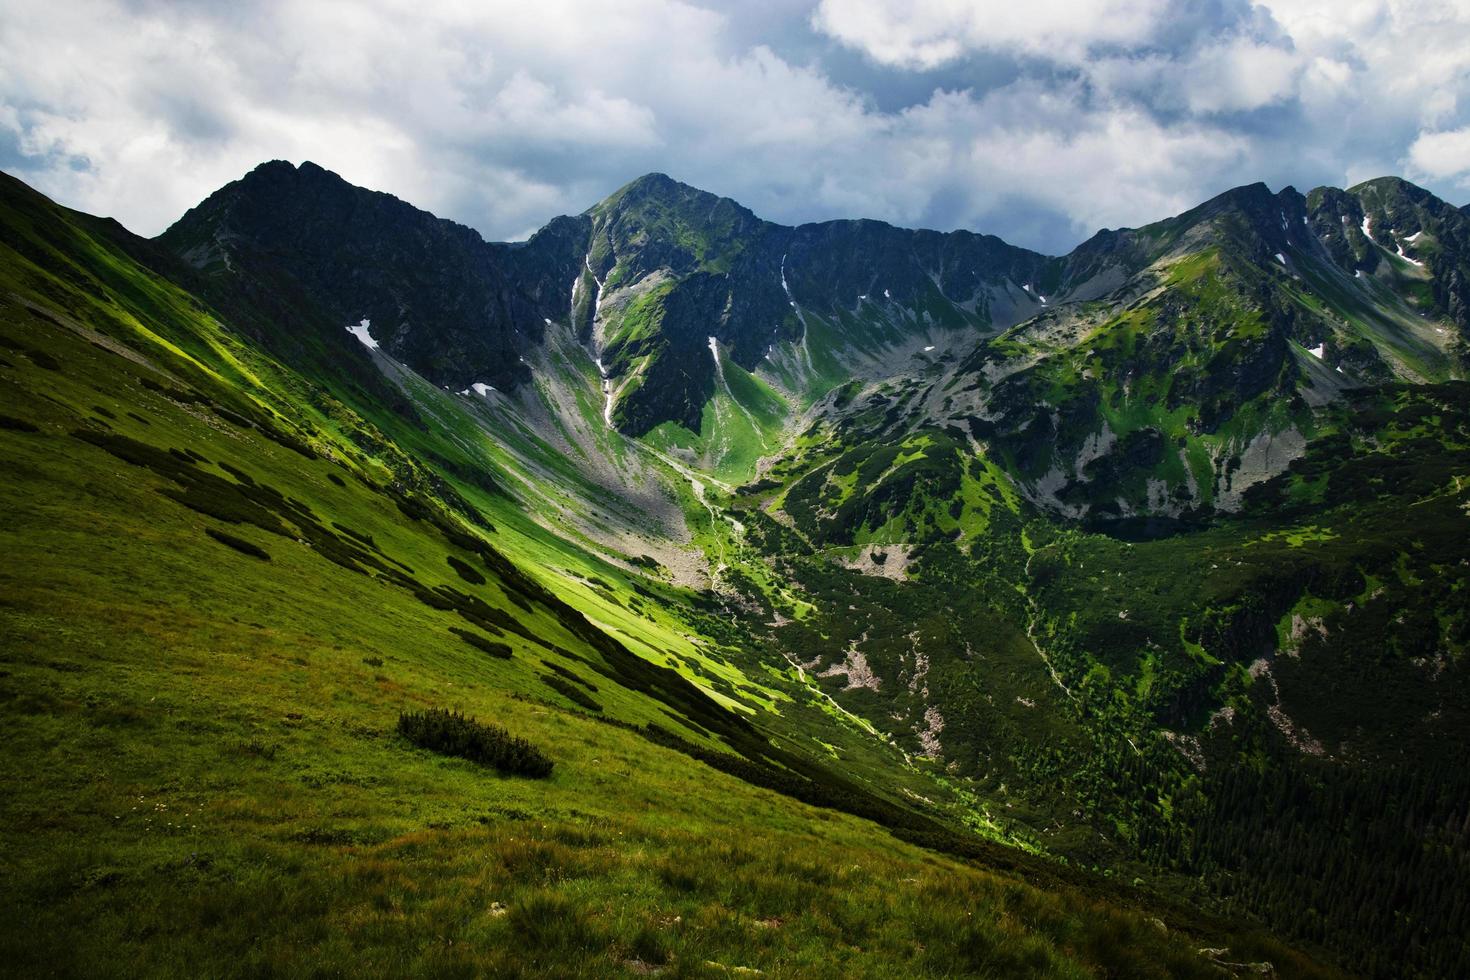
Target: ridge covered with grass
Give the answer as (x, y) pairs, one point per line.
(814, 680)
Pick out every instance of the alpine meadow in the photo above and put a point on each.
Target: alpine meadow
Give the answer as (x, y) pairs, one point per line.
(677, 592)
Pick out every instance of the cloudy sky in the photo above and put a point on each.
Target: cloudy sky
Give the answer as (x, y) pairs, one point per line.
(1040, 121)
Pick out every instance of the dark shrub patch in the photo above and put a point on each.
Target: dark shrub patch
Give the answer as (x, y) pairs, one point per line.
(288, 441)
(500, 650)
(41, 359)
(237, 473)
(105, 413)
(373, 661)
(184, 395)
(451, 733)
(570, 691)
(234, 418)
(432, 599)
(569, 675)
(366, 539)
(479, 613)
(336, 479)
(208, 494)
(239, 544)
(16, 425)
(466, 572)
(219, 501)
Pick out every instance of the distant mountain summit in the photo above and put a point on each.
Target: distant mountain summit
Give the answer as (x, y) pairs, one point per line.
(1178, 330)
(435, 293)
(645, 278)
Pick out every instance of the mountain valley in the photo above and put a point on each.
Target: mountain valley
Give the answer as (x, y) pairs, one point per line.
(886, 602)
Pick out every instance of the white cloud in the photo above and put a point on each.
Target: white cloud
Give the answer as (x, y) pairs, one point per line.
(1230, 75)
(1239, 75)
(1119, 45)
(1101, 166)
(929, 33)
(1442, 155)
(1409, 56)
(500, 116)
(143, 110)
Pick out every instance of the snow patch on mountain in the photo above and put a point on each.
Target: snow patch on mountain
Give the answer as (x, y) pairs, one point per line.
(360, 331)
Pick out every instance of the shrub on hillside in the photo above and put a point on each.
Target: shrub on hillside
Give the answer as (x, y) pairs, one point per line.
(239, 544)
(491, 647)
(466, 571)
(17, 425)
(570, 675)
(570, 691)
(451, 733)
(41, 359)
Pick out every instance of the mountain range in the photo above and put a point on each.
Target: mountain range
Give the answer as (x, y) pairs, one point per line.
(885, 601)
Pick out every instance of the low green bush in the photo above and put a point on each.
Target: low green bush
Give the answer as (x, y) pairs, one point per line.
(466, 571)
(234, 418)
(17, 425)
(500, 650)
(570, 675)
(41, 359)
(358, 536)
(451, 733)
(239, 544)
(184, 395)
(570, 691)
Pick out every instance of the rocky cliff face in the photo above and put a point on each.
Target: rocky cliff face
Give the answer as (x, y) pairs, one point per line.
(646, 278)
(1198, 372)
(1130, 376)
(1402, 233)
(437, 296)
(670, 267)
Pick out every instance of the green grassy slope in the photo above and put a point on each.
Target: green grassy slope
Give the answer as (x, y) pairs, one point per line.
(222, 586)
(1195, 709)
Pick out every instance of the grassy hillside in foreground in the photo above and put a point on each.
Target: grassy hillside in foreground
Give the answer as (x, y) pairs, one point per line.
(209, 628)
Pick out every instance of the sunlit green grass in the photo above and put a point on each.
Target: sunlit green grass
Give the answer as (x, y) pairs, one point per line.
(206, 779)
(203, 774)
